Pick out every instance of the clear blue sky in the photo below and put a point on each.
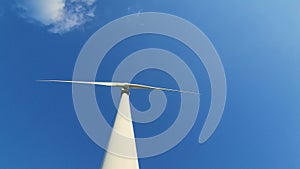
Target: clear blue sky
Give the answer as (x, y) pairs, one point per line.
(258, 43)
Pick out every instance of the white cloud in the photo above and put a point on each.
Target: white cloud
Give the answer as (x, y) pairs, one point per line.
(59, 16)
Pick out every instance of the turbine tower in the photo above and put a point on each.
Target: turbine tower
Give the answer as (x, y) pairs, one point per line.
(122, 126)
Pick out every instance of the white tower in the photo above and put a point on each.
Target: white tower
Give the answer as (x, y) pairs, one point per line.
(124, 127)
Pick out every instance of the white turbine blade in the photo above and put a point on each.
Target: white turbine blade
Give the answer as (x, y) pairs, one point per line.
(111, 84)
(139, 86)
(119, 84)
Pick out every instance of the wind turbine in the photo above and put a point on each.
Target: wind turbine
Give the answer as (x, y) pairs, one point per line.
(122, 125)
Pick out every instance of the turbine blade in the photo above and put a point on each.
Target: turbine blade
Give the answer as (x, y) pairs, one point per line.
(111, 84)
(140, 86)
(119, 84)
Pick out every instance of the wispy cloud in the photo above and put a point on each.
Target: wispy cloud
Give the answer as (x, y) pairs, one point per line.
(59, 16)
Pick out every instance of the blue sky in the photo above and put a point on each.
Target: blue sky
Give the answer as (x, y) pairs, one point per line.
(258, 43)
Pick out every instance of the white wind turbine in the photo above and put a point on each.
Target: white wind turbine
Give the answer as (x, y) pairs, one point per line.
(122, 125)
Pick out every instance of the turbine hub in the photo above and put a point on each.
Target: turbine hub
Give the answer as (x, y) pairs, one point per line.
(125, 89)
